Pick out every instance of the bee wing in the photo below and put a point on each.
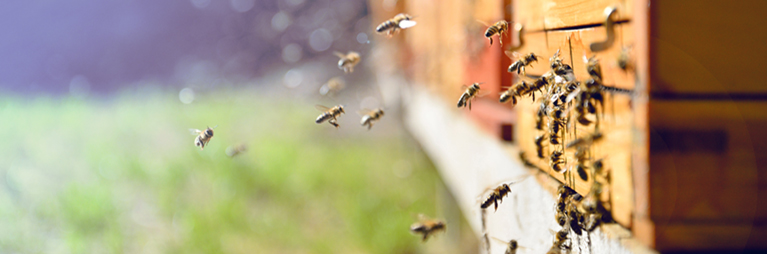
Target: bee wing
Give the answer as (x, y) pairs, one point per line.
(324, 89)
(499, 240)
(194, 131)
(483, 22)
(364, 111)
(321, 108)
(339, 54)
(406, 24)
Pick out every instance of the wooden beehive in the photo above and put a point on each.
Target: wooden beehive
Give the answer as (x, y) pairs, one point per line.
(686, 151)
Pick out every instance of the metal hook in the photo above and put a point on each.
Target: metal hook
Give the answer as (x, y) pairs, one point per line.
(519, 28)
(609, 26)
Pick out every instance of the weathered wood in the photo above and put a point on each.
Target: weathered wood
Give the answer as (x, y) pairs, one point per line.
(539, 15)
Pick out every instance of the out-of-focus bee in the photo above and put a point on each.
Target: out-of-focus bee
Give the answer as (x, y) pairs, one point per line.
(560, 238)
(539, 119)
(557, 160)
(580, 167)
(624, 59)
(598, 166)
(593, 67)
(426, 227)
(496, 196)
(498, 28)
(370, 116)
(539, 146)
(400, 21)
(333, 86)
(522, 61)
(556, 124)
(471, 92)
(233, 150)
(561, 68)
(329, 114)
(585, 141)
(203, 137)
(511, 245)
(348, 61)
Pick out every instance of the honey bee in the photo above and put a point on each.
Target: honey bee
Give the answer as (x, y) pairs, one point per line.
(400, 21)
(557, 160)
(593, 67)
(498, 28)
(560, 238)
(427, 227)
(203, 137)
(539, 146)
(591, 221)
(539, 119)
(560, 68)
(471, 92)
(511, 246)
(329, 114)
(517, 90)
(232, 151)
(585, 141)
(496, 196)
(561, 218)
(348, 61)
(523, 61)
(333, 86)
(624, 59)
(556, 124)
(370, 116)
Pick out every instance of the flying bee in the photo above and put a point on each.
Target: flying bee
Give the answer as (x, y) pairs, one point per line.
(557, 160)
(498, 28)
(523, 61)
(427, 227)
(471, 92)
(511, 246)
(370, 116)
(539, 145)
(593, 67)
(400, 21)
(585, 141)
(333, 86)
(232, 151)
(329, 114)
(348, 61)
(517, 90)
(203, 137)
(496, 196)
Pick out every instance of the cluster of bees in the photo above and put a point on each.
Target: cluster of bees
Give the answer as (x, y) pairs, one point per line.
(565, 103)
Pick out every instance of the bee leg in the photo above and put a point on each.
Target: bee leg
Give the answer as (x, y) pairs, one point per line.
(491, 40)
(469, 104)
(496, 204)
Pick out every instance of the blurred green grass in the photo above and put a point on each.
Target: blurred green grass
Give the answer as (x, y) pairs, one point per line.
(121, 175)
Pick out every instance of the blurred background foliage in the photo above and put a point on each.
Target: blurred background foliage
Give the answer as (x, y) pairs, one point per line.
(97, 98)
(122, 175)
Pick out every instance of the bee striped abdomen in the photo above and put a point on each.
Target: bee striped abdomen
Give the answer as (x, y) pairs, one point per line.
(491, 31)
(323, 117)
(385, 26)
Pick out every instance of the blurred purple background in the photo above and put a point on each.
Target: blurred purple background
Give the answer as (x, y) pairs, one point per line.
(54, 46)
